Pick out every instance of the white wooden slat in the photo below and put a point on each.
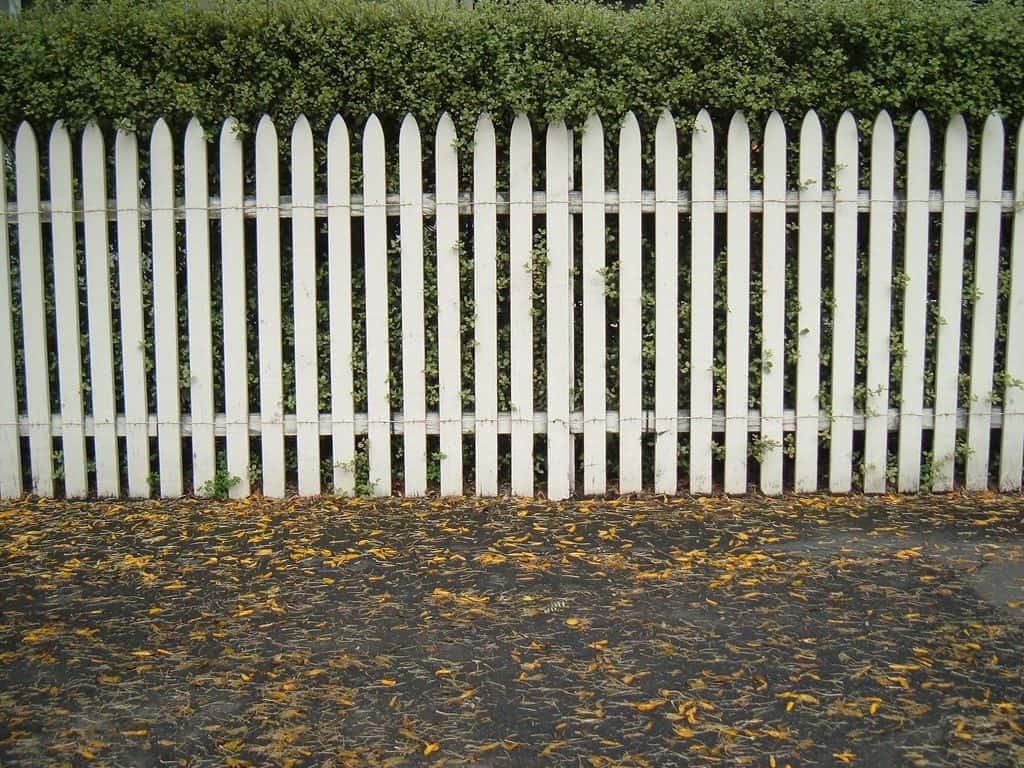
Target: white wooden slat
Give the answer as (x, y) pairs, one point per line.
(809, 303)
(666, 320)
(1011, 454)
(559, 314)
(485, 334)
(449, 334)
(594, 343)
(98, 292)
(915, 298)
(737, 346)
(986, 284)
(197, 276)
(339, 266)
(378, 374)
(773, 305)
(521, 303)
(307, 395)
(233, 287)
(571, 291)
(702, 307)
(630, 282)
(951, 272)
(133, 328)
(268, 289)
(414, 407)
(10, 443)
(880, 247)
(844, 308)
(66, 303)
(33, 309)
(165, 310)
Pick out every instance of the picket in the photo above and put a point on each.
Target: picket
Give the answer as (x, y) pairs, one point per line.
(612, 348)
(268, 307)
(808, 305)
(1011, 453)
(200, 335)
(844, 309)
(165, 310)
(521, 270)
(951, 271)
(378, 373)
(594, 342)
(33, 309)
(304, 307)
(414, 408)
(666, 312)
(876, 418)
(773, 305)
(10, 444)
(130, 289)
(485, 302)
(449, 332)
(235, 315)
(98, 295)
(986, 301)
(339, 296)
(915, 295)
(702, 319)
(66, 302)
(737, 322)
(630, 285)
(559, 314)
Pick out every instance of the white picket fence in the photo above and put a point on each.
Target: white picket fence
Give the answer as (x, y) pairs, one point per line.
(119, 442)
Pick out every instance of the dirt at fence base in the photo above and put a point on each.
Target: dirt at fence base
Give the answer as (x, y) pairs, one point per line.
(647, 632)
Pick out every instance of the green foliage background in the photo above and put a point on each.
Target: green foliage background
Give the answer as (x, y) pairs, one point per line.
(130, 61)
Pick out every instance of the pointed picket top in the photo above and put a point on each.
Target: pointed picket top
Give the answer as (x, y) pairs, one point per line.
(954, 178)
(196, 189)
(194, 133)
(302, 137)
(265, 129)
(918, 154)
(126, 147)
(882, 124)
(338, 131)
(60, 140)
(373, 141)
(738, 156)
(446, 135)
(557, 144)
(629, 157)
(666, 145)
(703, 158)
(229, 130)
(411, 170)
(992, 142)
(161, 143)
(25, 141)
(592, 152)
(810, 156)
(483, 135)
(775, 157)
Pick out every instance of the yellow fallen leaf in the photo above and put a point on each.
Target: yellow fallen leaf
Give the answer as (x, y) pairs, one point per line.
(387, 682)
(572, 622)
(844, 757)
(135, 733)
(647, 706)
(431, 748)
(683, 732)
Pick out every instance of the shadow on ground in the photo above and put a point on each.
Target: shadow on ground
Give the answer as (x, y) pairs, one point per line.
(328, 632)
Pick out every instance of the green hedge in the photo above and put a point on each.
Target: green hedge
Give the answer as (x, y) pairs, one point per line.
(136, 61)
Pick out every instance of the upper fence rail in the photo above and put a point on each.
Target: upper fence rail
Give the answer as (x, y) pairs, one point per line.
(753, 355)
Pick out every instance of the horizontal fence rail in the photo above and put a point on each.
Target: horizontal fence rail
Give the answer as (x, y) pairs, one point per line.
(314, 314)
